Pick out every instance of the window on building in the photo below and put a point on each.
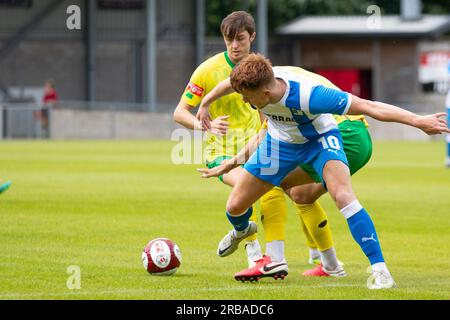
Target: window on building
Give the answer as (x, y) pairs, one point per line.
(16, 3)
(121, 4)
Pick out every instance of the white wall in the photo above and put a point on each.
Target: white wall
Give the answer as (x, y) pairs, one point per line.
(76, 124)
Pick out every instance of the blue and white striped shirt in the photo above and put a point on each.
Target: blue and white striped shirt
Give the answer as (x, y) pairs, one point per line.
(305, 111)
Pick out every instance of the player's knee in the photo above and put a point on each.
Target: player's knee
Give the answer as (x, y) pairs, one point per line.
(234, 207)
(302, 198)
(342, 197)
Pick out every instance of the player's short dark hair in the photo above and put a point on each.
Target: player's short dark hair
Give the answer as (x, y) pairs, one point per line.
(252, 73)
(236, 22)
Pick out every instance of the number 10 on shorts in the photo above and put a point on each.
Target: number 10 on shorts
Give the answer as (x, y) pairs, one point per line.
(330, 142)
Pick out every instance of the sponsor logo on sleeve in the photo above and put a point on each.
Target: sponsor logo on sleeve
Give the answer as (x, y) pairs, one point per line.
(194, 90)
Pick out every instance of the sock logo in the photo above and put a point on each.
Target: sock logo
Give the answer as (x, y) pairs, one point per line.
(364, 239)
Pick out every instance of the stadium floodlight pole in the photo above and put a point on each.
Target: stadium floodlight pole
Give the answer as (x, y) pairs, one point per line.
(91, 49)
(200, 32)
(151, 55)
(447, 160)
(261, 20)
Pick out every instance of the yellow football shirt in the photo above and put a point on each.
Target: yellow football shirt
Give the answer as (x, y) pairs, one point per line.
(243, 121)
(327, 83)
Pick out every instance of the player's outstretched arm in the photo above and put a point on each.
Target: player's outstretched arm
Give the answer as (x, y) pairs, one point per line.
(430, 124)
(241, 158)
(222, 89)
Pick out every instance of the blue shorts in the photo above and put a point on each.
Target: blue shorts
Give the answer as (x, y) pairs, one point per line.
(274, 159)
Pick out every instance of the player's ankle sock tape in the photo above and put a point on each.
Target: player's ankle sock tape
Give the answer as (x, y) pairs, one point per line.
(314, 253)
(329, 259)
(240, 222)
(275, 250)
(363, 231)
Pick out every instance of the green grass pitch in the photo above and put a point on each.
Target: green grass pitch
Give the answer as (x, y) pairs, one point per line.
(96, 205)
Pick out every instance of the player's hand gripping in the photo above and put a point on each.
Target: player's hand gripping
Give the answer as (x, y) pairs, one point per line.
(204, 117)
(224, 168)
(432, 124)
(219, 125)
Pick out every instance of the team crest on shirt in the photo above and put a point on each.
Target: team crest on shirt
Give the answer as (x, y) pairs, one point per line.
(195, 89)
(296, 112)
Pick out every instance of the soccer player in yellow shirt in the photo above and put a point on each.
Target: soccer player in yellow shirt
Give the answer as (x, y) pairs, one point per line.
(241, 122)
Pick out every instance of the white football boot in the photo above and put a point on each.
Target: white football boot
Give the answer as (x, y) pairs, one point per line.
(381, 279)
(230, 242)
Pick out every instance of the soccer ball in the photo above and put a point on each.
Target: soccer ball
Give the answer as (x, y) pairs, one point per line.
(161, 257)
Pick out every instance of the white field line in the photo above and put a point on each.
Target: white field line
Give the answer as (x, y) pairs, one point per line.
(125, 291)
(245, 287)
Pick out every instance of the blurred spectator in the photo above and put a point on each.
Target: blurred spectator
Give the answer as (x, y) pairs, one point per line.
(49, 100)
(50, 95)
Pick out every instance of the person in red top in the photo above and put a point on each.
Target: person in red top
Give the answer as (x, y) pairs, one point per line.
(49, 99)
(50, 95)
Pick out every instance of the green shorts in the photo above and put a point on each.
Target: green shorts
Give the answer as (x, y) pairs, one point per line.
(357, 147)
(217, 162)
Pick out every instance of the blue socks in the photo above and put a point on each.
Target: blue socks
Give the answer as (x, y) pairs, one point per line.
(240, 222)
(363, 231)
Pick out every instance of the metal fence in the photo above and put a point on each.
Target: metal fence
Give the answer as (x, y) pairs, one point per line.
(103, 120)
(84, 120)
(25, 121)
(115, 106)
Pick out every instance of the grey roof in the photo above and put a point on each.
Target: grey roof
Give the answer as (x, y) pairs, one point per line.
(351, 26)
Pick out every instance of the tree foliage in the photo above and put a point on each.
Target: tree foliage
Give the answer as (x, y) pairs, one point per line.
(283, 11)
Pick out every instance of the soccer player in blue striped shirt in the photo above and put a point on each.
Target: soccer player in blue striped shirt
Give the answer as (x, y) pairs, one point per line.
(302, 130)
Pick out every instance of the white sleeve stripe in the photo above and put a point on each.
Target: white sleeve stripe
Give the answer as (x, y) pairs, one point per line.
(349, 103)
(305, 95)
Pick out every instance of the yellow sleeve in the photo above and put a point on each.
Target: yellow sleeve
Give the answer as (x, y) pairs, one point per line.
(340, 119)
(264, 125)
(195, 90)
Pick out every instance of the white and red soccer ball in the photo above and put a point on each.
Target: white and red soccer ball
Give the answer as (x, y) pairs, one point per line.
(161, 257)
